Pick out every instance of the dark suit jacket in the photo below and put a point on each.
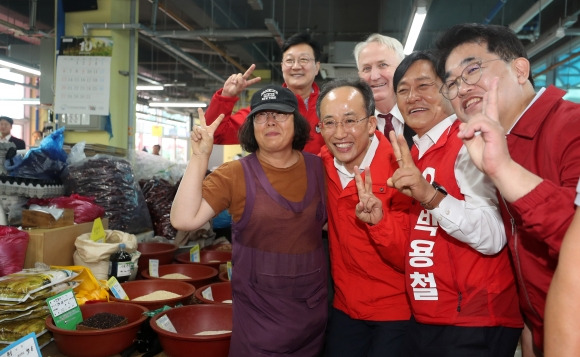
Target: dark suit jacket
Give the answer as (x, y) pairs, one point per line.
(408, 133)
(20, 144)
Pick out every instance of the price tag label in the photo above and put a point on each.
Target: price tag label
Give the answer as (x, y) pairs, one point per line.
(65, 310)
(117, 289)
(26, 346)
(207, 294)
(229, 270)
(154, 268)
(164, 323)
(98, 233)
(194, 255)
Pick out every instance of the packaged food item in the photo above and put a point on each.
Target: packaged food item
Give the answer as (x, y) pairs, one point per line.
(20, 286)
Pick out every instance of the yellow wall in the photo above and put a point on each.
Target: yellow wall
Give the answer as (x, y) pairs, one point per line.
(109, 11)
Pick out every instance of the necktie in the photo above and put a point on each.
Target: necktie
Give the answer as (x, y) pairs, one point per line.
(388, 123)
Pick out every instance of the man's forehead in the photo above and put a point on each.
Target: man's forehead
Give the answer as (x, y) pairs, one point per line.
(304, 48)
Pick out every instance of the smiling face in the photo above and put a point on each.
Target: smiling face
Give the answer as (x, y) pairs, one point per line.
(513, 85)
(348, 145)
(299, 77)
(274, 136)
(376, 66)
(418, 97)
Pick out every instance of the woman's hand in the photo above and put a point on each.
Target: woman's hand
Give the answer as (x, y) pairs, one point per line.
(202, 135)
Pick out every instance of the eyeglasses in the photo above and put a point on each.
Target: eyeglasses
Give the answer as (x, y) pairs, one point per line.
(262, 117)
(332, 125)
(470, 75)
(302, 61)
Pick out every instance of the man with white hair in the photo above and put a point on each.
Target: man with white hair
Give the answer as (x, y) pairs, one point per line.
(377, 58)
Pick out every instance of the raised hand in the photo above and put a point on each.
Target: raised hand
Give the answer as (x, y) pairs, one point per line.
(484, 137)
(407, 178)
(236, 83)
(369, 209)
(202, 135)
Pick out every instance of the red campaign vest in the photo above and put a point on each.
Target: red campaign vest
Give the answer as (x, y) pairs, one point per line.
(448, 282)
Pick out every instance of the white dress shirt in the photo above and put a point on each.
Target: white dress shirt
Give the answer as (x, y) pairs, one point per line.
(476, 220)
(397, 120)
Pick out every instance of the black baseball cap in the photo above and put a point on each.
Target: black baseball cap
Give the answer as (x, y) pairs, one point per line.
(273, 97)
(8, 119)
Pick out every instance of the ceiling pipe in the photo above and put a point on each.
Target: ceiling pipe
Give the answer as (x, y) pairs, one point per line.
(168, 47)
(498, 6)
(527, 16)
(205, 40)
(214, 34)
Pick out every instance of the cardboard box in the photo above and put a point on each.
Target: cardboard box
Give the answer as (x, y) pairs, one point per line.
(55, 246)
(39, 219)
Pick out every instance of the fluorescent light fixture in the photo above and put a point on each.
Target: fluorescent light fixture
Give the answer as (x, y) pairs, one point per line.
(150, 87)
(415, 29)
(177, 105)
(4, 62)
(24, 101)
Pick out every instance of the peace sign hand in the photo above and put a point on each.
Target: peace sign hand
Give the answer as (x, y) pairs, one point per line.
(484, 137)
(202, 135)
(407, 178)
(369, 209)
(236, 83)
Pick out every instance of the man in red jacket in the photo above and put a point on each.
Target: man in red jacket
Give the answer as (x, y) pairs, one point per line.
(526, 142)
(458, 273)
(300, 65)
(370, 311)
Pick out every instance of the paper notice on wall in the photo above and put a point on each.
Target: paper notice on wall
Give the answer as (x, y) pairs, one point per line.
(82, 85)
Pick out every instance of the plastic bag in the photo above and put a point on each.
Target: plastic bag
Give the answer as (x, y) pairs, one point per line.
(85, 208)
(45, 162)
(13, 245)
(159, 196)
(95, 255)
(89, 288)
(110, 180)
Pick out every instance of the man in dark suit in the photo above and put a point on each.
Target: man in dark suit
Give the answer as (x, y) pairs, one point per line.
(5, 128)
(377, 58)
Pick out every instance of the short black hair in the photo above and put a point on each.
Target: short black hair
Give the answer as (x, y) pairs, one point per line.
(8, 119)
(357, 84)
(301, 133)
(300, 38)
(403, 67)
(500, 40)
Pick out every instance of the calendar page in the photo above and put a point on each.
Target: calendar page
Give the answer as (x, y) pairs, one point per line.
(82, 85)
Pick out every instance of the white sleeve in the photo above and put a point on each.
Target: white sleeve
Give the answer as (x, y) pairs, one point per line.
(476, 220)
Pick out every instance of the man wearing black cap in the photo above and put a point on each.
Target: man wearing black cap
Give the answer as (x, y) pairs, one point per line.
(5, 137)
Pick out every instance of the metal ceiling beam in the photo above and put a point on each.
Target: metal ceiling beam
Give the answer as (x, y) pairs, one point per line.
(527, 16)
(214, 34)
(205, 40)
(168, 47)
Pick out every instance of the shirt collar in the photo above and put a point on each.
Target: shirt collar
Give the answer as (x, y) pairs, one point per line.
(425, 142)
(538, 95)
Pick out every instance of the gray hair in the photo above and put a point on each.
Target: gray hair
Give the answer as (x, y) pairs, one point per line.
(390, 42)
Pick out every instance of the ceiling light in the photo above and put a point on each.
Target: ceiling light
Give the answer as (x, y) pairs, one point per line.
(177, 105)
(413, 34)
(24, 101)
(10, 63)
(149, 87)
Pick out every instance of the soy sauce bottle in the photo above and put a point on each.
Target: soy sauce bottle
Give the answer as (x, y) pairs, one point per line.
(120, 264)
